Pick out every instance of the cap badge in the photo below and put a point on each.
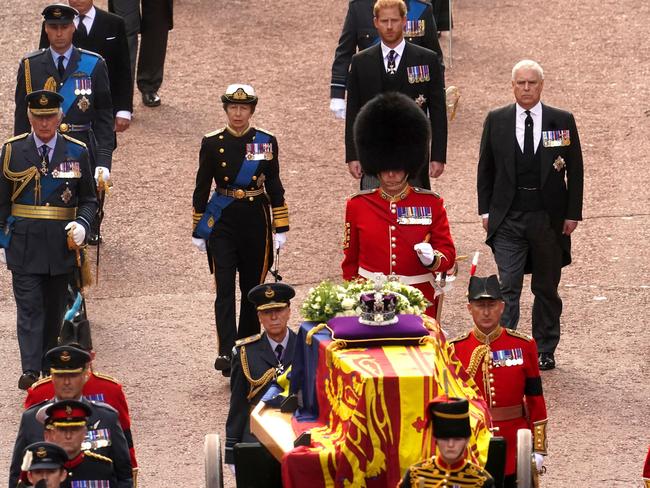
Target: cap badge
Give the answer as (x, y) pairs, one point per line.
(269, 293)
(57, 12)
(240, 94)
(41, 452)
(65, 356)
(68, 410)
(43, 100)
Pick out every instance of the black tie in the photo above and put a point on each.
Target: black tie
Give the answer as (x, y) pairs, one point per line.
(44, 154)
(528, 136)
(60, 67)
(81, 27)
(391, 62)
(278, 351)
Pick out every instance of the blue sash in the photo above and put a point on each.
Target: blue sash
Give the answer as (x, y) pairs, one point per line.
(415, 9)
(87, 63)
(218, 201)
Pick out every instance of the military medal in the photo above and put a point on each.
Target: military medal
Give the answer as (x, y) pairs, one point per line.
(67, 169)
(418, 74)
(414, 28)
(43, 167)
(421, 100)
(414, 215)
(83, 104)
(66, 195)
(258, 151)
(556, 138)
(96, 439)
(559, 164)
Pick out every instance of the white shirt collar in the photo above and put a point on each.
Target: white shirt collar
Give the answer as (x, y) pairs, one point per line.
(399, 49)
(66, 55)
(535, 111)
(89, 17)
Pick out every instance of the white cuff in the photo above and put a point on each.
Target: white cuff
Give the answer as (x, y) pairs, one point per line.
(123, 114)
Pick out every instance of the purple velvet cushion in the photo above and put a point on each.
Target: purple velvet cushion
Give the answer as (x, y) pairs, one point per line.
(408, 328)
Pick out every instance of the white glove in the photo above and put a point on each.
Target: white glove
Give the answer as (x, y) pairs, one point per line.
(3, 256)
(337, 106)
(199, 244)
(106, 173)
(279, 240)
(539, 461)
(78, 232)
(231, 467)
(425, 253)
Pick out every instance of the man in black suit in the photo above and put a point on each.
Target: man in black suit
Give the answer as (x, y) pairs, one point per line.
(530, 182)
(359, 33)
(105, 34)
(154, 25)
(258, 360)
(70, 370)
(395, 65)
(47, 195)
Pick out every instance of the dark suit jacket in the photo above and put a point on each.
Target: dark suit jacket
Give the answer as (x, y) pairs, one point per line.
(260, 358)
(99, 111)
(561, 187)
(359, 33)
(107, 37)
(39, 246)
(103, 417)
(366, 82)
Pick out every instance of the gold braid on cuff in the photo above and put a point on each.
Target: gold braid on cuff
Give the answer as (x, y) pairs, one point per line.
(539, 437)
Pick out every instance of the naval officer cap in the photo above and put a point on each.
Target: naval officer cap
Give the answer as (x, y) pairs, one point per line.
(45, 455)
(480, 288)
(271, 295)
(59, 13)
(239, 93)
(43, 102)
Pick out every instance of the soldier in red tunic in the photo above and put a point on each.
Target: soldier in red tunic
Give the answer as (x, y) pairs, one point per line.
(396, 229)
(99, 387)
(503, 362)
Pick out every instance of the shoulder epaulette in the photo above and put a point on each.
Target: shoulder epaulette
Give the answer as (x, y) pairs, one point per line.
(106, 377)
(521, 335)
(72, 139)
(16, 138)
(103, 405)
(248, 340)
(362, 192)
(265, 131)
(459, 338)
(423, 191)
(34, 53)
(92, 53)
(94, 455)
(42, 381)
(215, 132)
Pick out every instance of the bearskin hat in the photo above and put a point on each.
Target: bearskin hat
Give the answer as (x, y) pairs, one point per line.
(392, 133)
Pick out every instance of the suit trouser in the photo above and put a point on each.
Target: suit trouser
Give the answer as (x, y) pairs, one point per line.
(129, 10)
(242, 245)
(40, 303)
(526, 236)
(153, 44)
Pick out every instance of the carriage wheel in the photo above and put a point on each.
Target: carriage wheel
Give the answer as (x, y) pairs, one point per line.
(213, 463)
(524, 458)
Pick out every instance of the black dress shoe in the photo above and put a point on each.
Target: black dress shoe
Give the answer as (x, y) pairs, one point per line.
(225, 372)
(546, 361)
(150, 99)
(27, 379)
(222, 363)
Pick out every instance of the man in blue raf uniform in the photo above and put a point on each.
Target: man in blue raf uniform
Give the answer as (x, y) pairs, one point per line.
(80, 77)
(66, 425)
(46, 196)
(70, 370)
(449, 418)
(359, 33)
(44, 461)
(245, 216)
(259, 359)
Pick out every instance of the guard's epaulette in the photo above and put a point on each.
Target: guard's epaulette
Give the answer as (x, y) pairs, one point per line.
(424, 191)
(248, 340)
(16, 138)
(42, 381)
(34, 53)
(362, 192)
(215, 132)
(521, 335)
(106, 377)
(92, 454)
(72, 139)
(265, 131)
(459, 338)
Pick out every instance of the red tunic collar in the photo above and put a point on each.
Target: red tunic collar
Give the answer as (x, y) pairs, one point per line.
(75, 461)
